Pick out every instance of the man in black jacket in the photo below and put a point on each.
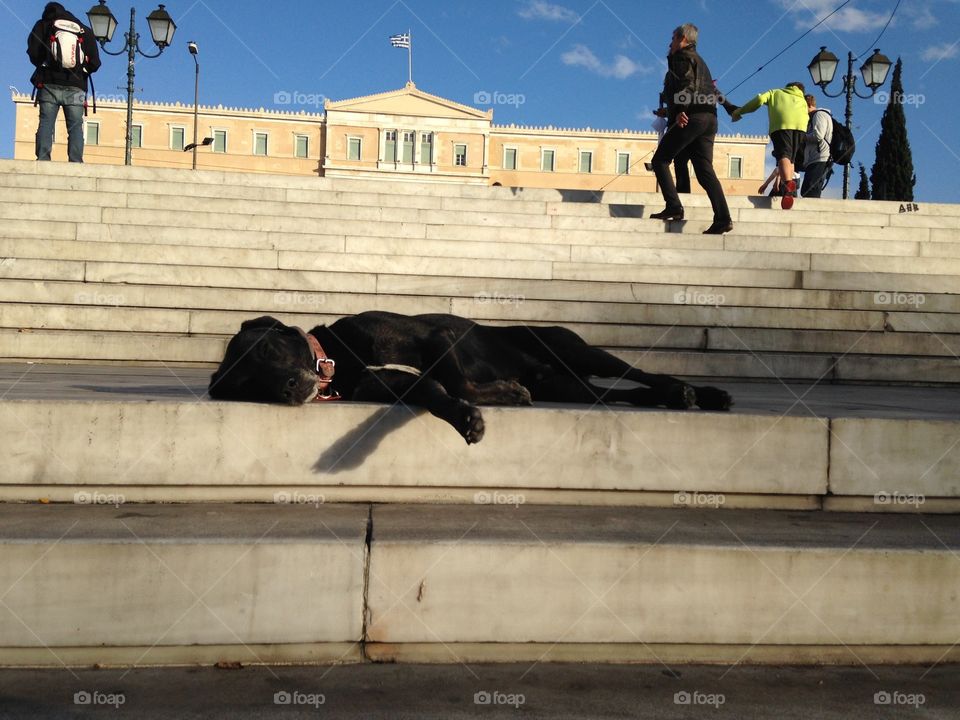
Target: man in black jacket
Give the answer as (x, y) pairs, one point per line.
(691, 111)
(61, 76)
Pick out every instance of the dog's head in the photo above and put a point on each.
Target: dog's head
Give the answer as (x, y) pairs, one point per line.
(266, 361)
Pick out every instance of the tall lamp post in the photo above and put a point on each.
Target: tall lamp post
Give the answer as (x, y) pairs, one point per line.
(103, 24)
(194, 50)
(874, 71)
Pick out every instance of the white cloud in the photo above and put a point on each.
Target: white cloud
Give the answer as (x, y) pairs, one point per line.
(921, 17)
(621, 68)
(936, 53)
(850, 19)
(543, 10)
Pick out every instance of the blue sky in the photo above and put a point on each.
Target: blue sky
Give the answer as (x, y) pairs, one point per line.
(570, 63)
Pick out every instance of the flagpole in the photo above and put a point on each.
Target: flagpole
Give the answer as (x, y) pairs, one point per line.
(410, 56)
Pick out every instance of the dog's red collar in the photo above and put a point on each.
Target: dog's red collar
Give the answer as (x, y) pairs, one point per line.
(324, 366)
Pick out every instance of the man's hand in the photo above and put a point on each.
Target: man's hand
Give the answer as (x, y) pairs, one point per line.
(660, 112)
(682, 120)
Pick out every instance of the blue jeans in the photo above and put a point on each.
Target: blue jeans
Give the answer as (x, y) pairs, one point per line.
(51, 98)
(815, 179)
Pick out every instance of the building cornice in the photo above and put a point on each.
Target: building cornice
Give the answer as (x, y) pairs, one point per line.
(111, 104)
(626, 133)
(410, 90)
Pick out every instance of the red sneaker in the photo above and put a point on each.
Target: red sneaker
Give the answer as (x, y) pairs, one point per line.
(786, 202)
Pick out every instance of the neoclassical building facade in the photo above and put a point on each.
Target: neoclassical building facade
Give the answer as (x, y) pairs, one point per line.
(405, 133)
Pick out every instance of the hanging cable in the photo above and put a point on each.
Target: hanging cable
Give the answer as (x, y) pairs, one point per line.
(821, 22)
(889, 20)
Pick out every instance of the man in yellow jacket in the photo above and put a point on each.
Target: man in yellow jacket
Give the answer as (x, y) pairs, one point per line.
(787, 110)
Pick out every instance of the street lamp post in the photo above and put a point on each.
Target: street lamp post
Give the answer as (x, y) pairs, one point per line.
(194, 50)
(874, 71)
(103, 24)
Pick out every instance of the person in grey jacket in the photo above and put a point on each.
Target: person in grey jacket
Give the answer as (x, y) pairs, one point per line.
(818, 167)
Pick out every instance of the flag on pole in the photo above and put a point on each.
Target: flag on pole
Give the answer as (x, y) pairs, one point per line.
(400, 41)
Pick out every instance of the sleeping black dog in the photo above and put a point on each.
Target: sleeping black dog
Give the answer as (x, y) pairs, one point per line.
(444, 363)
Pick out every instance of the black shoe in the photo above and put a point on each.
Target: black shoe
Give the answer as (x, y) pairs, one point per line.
(668, 215)
(719, 228)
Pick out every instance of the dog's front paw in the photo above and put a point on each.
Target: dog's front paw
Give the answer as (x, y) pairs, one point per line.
(680, 396)
(711, 398)
(470, 424)
(517, 394)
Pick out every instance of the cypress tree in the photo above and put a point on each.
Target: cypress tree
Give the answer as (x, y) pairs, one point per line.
(863, 192)
(892, 176)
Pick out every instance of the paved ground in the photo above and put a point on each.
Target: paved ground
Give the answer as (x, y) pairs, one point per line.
(486, 691)
(21, 381)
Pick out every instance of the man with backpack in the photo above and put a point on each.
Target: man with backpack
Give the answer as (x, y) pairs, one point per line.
(64, 52)
(818, 165)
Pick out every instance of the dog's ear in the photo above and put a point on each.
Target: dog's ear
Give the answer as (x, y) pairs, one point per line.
(264, 321)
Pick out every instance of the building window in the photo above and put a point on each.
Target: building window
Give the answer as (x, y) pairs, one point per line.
(546, 160)
(354, 148)
(390, 146)
(137, 136)
(586, 161)
(426, 148)
(460, 155)
(623, 163)
(407, 150)
(219, 141)
(260, 143)
(301, 146)
(176, 138)
(736, 167)
(509, 158)
(92, 133)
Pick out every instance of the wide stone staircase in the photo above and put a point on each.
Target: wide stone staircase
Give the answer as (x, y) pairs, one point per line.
(143, 523)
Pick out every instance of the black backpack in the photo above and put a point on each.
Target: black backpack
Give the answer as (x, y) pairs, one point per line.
(842, 144)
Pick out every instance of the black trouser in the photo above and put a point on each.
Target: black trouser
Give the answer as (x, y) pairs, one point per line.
(815, 179)
(695, 140)
(681, 171)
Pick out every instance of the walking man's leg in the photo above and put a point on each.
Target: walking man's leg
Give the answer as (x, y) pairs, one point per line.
(815, 179)
(671, 145)
(49, 108)
(701, 155)
(73, 112)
